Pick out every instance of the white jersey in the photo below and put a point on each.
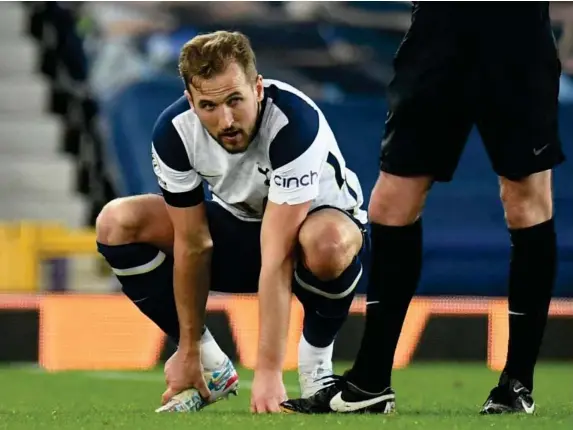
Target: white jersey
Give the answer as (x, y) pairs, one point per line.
(293, 158)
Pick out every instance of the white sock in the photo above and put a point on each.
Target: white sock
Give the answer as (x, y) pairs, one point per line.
(309, 357)
(212, 356)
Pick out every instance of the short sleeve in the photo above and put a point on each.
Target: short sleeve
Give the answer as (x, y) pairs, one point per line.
(180, 184)
(297, 154)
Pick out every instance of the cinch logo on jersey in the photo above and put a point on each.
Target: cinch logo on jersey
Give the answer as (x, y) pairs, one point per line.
(296, 181)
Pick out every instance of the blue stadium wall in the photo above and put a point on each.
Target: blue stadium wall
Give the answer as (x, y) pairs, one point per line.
(465, 240)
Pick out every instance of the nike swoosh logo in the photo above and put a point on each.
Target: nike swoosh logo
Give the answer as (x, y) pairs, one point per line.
(540, 150)
(339, 405)
(518, 390)
(528, 409)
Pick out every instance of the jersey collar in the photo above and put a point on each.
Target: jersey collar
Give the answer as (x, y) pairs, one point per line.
(260, 117)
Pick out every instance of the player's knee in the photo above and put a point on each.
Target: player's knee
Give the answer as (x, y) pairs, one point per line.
(117, 223)
(528, 201)
(398, 201)
(326, 250)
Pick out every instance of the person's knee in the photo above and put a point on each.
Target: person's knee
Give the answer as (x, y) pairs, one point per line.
(329, 246)
(528, 201)
(118, 223)
(398, 201)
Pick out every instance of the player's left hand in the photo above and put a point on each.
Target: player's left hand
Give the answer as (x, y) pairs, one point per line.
(268, 392)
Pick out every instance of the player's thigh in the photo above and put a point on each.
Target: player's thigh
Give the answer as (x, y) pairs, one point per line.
(518, 105)
(139, 219)
(236, 259)
(429, 116)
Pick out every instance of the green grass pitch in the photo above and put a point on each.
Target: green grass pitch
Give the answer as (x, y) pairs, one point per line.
(442, 396)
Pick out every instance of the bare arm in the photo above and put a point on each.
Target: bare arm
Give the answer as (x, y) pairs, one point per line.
(191, 276)
(297, 158)
(182, 190)
(279, 236)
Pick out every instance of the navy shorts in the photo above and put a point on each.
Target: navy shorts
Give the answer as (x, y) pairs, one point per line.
(236, 260)
(236, 263)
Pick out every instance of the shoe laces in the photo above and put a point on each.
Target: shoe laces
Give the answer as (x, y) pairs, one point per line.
(332, 380)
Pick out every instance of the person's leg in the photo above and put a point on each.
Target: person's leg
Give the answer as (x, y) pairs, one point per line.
(332, 246)
(135, 237)
(529, 215)
(428, 122)
(532, 271)
(328, 268)
(429, 119)
(395, 215)
(518, 121)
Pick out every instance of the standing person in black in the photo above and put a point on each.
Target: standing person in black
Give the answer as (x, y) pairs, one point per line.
(495, 65)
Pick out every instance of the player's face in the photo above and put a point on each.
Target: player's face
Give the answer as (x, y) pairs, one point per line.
(228, 105)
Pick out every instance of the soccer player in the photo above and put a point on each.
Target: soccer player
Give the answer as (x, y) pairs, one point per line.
(285, 212)
(460, 64)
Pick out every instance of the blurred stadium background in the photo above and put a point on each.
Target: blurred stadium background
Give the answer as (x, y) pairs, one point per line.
(81, 84)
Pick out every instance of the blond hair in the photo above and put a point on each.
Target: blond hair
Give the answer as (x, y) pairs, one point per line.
(208, 55)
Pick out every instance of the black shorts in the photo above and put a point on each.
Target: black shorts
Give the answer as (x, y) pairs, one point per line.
(463, 64)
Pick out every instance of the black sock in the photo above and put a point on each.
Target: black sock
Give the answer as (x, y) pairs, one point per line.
(394, 275)
(146, 276)
(532, 273)
(324, 316)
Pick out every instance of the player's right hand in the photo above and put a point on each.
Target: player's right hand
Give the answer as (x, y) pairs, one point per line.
(182, 371)
(268, 392)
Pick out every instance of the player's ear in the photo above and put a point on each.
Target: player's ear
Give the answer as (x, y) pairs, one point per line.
(259, 88)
